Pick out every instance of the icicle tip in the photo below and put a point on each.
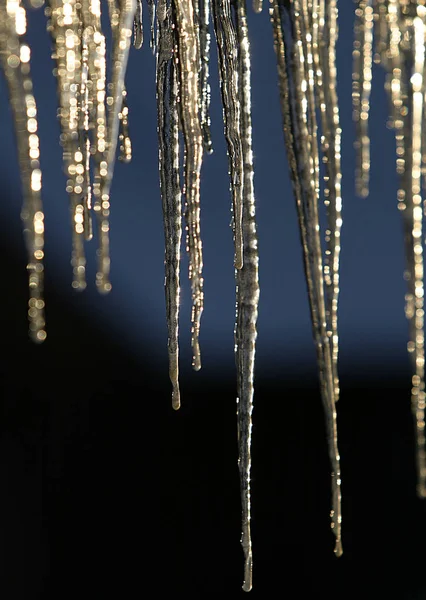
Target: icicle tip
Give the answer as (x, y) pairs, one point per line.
(248, 573)
(176, 399)
(338, 548)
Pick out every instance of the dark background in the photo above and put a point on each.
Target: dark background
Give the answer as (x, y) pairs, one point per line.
(104, 488)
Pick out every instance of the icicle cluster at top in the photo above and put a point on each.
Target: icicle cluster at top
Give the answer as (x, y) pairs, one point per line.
(305, 35)
(90, 112)
(93, 117)
(399, 28)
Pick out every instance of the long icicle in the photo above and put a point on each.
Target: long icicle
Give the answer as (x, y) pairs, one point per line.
(294, 57)
(247, 285)
(15, 61)
(188, 51)
(325, 25)
(168, 137)
(122, 18)
(228, 52)
(361, 89)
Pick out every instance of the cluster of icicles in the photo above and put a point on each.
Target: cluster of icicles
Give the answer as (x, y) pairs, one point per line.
(93, 117)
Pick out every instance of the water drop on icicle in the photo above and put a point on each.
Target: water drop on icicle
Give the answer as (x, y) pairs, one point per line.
(292, 22)
(15, 61)
(168, 138)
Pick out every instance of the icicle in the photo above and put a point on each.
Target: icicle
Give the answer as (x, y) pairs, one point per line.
(361, 88)
(204, 75)
(296, 81)
(227, 52)
(325, 39)
(121, 16)
(168, 138)
(64, 25)
(125, 142)
(86, 98)
(151, 11)
(138, 26)
(401, 34)
(257, 6)
(15, 61)
(247, 283)
(188, 53)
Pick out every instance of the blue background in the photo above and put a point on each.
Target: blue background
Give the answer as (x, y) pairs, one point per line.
(373, 329)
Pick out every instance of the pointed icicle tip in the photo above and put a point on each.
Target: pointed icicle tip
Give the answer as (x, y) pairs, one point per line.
(176, 399)
(248, 573)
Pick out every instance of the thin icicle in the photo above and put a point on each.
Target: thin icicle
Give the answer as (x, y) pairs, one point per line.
(86, 97)
(151, 12)
(204, 15)
(228, 68)
(325, 32)
(188, 55)
(122, 14)
(361, 88)
(294, 57)
(65, 25)
(138, 26)
(125, 142)
(15, 61)
(247, 283)
(168, 138)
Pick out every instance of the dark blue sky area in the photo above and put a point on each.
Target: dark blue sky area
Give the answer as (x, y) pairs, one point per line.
(373, 328)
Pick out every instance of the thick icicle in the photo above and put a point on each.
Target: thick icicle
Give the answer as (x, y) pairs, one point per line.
(188, 55)
(15, 61)
(247, 283)
(292, 41)
(168, 138)
(228, 65)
